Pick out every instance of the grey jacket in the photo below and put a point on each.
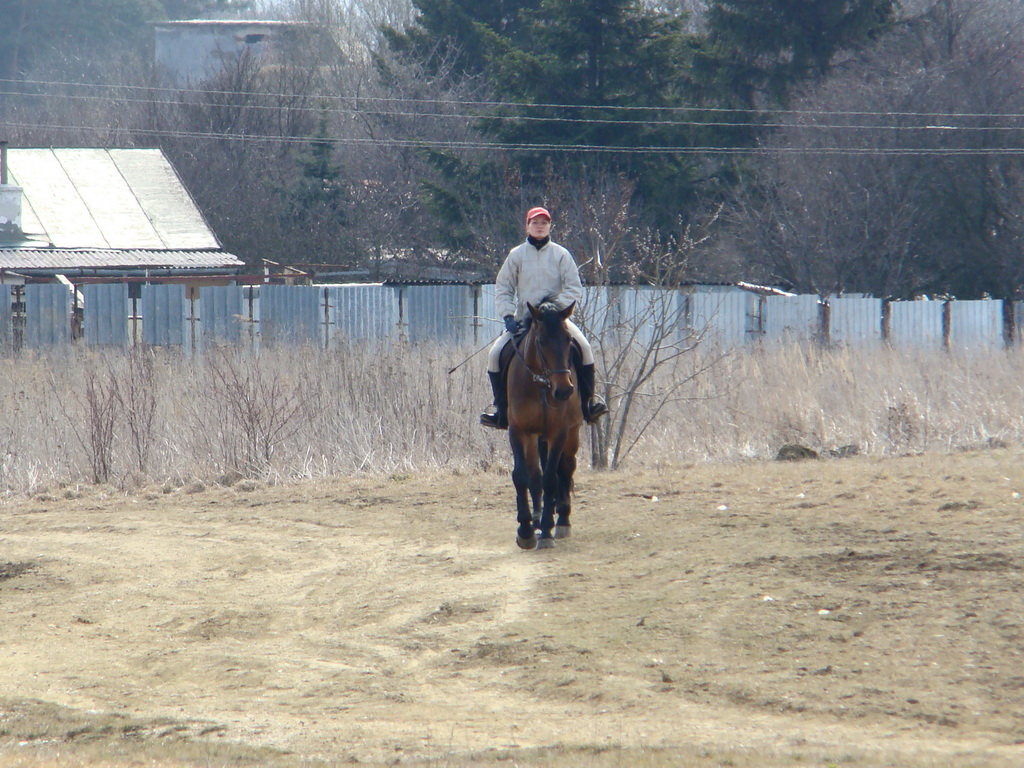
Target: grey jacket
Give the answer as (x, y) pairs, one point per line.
(531, 275)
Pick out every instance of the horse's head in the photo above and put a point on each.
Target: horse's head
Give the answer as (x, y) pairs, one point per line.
(552, 346)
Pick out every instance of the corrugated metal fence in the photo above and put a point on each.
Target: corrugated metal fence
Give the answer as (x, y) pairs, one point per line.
(39, 316)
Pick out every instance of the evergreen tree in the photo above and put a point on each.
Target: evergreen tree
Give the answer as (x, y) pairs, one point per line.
(768, 46)
(616, 69)
(575, 74)
(458, 33)
(319, 191)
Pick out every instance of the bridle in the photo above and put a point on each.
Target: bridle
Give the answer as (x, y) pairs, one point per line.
(543, 378)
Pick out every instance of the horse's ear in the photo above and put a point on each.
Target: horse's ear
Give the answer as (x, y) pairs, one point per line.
(533, 311)
(567, 312)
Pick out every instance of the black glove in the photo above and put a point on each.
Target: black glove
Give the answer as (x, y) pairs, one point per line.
(511, 325)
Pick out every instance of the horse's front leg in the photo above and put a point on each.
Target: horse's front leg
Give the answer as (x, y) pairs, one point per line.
(526, 478)
(551, 495)
(563, 504)
(542, 458)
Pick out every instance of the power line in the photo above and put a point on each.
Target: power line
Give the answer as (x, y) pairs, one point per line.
(935, 115)
(534, 147)
(353, 112)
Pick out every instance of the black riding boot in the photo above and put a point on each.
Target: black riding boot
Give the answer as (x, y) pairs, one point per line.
(593, 406)
(496, 416)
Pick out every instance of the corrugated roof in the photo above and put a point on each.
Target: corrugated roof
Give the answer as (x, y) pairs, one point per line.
(106, 199)
(73, 259)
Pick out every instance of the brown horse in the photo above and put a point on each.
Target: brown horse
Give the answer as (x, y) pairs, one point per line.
(544, 418)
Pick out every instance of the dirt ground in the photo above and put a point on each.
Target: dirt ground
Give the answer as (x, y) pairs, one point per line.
(858, 611)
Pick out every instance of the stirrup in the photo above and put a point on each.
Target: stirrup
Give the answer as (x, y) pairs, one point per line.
(594, 410)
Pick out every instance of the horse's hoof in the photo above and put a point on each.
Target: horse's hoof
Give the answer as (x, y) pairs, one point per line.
(529, 543)
(545, 543)
(563, 531)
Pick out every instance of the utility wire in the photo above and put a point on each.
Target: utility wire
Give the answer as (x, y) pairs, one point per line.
(936, 115)
(531, 147)
(550, 119)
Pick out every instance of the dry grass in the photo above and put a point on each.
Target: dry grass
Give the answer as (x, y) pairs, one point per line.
(149, 416)
(886, 402)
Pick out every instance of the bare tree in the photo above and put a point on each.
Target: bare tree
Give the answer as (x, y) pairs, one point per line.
(897, 176)
(357, 21)
(645, 340)
(595, 215)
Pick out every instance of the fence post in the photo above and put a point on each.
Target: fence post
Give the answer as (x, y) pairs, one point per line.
(475, 322)
(824, 334)
(192, 293)
(402, 335)
(327, 318)
(947, 323)
(755, 322)
(251, 320)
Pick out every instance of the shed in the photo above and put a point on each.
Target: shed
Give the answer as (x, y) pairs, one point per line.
(188, 52)
(113, 213)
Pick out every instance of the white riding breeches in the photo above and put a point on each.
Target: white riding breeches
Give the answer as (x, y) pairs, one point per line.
(494, 356)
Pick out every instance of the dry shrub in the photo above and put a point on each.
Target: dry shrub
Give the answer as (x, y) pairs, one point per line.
(150, 416)
(885, 401)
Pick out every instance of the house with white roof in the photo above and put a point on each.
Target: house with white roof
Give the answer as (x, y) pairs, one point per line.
(101, 213)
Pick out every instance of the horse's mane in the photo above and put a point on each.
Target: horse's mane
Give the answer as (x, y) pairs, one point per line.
(549, 312)
(550, 315)
(547, 304)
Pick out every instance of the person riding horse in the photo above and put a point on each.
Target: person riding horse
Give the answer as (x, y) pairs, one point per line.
(536, 271)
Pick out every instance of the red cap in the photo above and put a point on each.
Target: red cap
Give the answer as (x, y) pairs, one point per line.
(533, 213)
